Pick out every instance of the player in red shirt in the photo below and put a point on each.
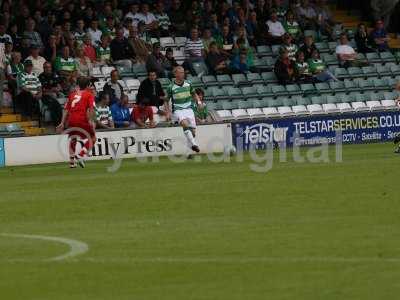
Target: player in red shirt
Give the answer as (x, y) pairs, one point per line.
(78, 117)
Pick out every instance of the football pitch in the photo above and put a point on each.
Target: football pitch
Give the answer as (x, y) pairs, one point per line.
(180, 231)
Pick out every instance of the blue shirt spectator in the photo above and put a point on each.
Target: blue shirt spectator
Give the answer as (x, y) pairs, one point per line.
(120, 112)
(379, 37)
(239, 63)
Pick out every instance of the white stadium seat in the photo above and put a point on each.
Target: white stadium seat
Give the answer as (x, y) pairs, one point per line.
(374, 105)
(252, 112)
(180, 41)
(300, 110)
(132, 84)
(132, 97)
(167, 42)
(344, 107)
(285, 111)
(239, 113)
(330, 108)
(389, 104)
(123, 84)
(315, 109)
(107, 70)
(270, 111)
(224, 113)
(99, 85)
(359, 106)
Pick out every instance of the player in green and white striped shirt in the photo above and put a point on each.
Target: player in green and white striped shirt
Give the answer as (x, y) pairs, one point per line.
(182, 95)
(103, 113)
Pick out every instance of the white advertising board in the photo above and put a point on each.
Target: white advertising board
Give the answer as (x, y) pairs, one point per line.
(120, 144)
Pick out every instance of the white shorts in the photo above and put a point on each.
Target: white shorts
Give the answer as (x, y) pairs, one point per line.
(185, 114)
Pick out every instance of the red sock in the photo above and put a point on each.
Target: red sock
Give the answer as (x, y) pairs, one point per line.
(72, 147)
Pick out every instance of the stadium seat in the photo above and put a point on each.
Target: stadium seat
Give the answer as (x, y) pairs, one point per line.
(200, 68)
(224, 113)
(219, 94)
(239, 113)
(383, 70)
(366, 85)
(106, 70)
(212, 106)
(167, 42)
(373, 57)
(132, 96)
(275, 50)
(389, 104)
(99, 85)
(351, 86)
(337, 86)
(319, 99)
(359, 106)
(299, 100)
(311, 33)
(278, 90)
(254, 78)
(196, 82)
(270, 111)
(14, 129)
(315, 109)
(224, 80)
(165, 82)
(285, 111)
(132, 84)
(332, 99)
(209, 80)
(125, 72)
(139, 70)
(293, 89)
(245, 104)
(344, 107)
(227, 105)
(329, 59)
(341, 73)
(255, 112)
(307, 87)
(264, 50)
(379, 84)
(179, 55)
(209, 94)
(288, 101)
(355, 72)
(369, 71)
(270, 77)
(330, 108)
(300, 110)
(239, 79)
(322, 47)
(249, 92)
(233, 92)
(389, 95)
(332, 46)
(374, 105)
(323, 88)
(264, 91)
(180, 41)
(96, 72)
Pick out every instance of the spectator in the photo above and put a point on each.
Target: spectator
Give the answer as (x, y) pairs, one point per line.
(147, 18)
(285, 68)
(94, 32)
(30, 90)
(307, 14)
(140, 47)
(200, 108)
(170, 62)
(214, 25)
(88, 50)
(51, 90)
(346, 55)
(291, 26)
(239, 63)
(109, 28)
(325, 19)
(15, 36)
(289, 46)
(383, 9)
(178, 18)
(65, 65)
(4, 37)
(318, 68)
(309, 47)
(280, 9)
(242, 46)
(194, 50)
(143, 33)
(133, 14)
(142, 115)
(155, 61)
(31, 35)
(14, 69)
(104, 119)
(79, 31)
(207, 39)
(122, 52)
(51, 50)
(113, 88)
(275, 30)
(120, 112)
(103, 51)
(225, 43)
(162, 19)
(216, 61)
(151, 92)
(379, 37)
(302, 69)
(36, 60)
(362, 39)
(71, 43)
(83, 64)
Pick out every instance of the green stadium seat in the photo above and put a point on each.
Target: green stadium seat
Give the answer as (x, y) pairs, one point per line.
(196, 82)
(391, 82)
(165, 82)
(200, 68)
(275, 50)
(373, 57)
(139, 70)
(395, 69)
(209, 80)
(332, 46)
(270, 77)
(387, 57)
(208, 94)
(125, 72)
(219, 94)
(264, 91)
(239, 79)
(288, 101)
(264, 50)
(212, 106)
(245, 104)
(389, 95)
(293, 89)
(255, 103)
(312, 33)
(249, 92)
(379, 84)
(341, 73)
(332, 99)
(351, 86)
(254, 78)
(366, 84)
(342, 98)
(383, 70)
(274, 102)
(323, 87)
(307, 87)
(224, 80)
(329, 59)
(233, 92)
(322, 47)
(361, 56)
(278, 90)
(337, 86)
(229, 105)
(371, 96)
(355, 72)
(299, 100)
(369, 71)
(322, 99)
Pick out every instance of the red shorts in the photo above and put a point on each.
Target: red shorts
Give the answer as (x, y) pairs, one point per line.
(83, 130)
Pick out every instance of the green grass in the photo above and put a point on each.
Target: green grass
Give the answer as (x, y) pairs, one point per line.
(204, 230)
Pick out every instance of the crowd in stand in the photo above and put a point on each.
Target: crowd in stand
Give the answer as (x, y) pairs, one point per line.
(49, 44)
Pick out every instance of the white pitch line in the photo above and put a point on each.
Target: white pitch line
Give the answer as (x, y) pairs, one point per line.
(76, 247)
